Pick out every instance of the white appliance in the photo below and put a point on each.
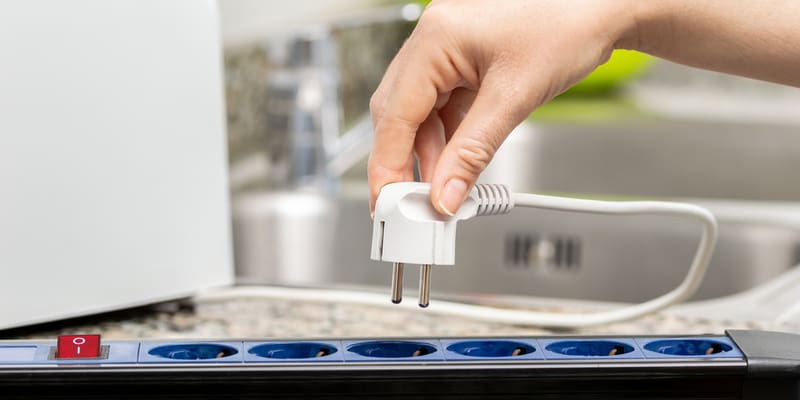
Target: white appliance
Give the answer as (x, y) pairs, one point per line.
(113, 172)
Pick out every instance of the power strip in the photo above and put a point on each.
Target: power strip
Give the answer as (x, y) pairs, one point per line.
(739, 365)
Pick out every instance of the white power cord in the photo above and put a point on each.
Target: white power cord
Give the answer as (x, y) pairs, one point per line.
(680, 293)
(408, 230)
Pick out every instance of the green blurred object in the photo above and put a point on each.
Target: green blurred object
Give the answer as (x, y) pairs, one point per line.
(623, 66)
(588, 110)
(595, 98)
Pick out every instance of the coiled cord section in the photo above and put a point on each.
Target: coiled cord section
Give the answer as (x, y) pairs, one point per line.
(494, 199)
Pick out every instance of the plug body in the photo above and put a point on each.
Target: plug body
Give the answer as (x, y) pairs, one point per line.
(407, 229)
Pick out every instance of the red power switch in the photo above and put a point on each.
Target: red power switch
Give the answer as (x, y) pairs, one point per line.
(78, 346)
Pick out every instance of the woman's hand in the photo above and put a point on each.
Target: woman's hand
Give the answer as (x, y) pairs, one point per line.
(474, 69)
(470, 72)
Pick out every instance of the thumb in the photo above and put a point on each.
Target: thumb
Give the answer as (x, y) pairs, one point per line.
(497, 109)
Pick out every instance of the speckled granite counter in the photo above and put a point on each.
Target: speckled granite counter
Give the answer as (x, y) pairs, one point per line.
(268, 318)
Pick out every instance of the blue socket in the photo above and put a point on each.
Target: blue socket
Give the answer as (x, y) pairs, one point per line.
(393, 350)
(710, 347)
(590, 348)
(491, 349)
(322, 351)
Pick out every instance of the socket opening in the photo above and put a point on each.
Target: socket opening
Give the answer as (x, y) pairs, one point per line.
(688, 347)
(301, 350)
(380, 240)
(193, 351)
(391, 349)
(590, 348)
(491, 348)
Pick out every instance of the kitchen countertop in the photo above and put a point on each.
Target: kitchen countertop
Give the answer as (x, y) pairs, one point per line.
(256, 317)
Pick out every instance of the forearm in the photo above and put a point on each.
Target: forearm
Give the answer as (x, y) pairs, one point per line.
(756, 38)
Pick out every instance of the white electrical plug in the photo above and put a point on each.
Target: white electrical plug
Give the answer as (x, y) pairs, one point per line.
(407, 229)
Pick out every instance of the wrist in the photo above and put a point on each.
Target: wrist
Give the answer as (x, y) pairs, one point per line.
(642, 30)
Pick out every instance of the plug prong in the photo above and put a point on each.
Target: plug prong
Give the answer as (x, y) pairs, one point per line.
(424, 285)
(397, 283)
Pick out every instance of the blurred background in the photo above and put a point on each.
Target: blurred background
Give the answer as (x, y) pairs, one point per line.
(297, 77)
(297, 90)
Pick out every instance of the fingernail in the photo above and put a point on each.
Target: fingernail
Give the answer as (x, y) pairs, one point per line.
(452, 196)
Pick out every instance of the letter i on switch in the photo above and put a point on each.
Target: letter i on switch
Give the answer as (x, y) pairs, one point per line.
(78, 346)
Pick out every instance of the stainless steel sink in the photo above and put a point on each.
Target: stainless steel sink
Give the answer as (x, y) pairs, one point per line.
(746, 168)
(551, 254)
(654, 157)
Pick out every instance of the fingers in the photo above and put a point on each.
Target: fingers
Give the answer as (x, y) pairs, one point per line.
(391, 158)
(456, 109)
(434, 133)
(378, 99)
(499, 106)
(414, 88)
(429, 144)
(437, 130)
